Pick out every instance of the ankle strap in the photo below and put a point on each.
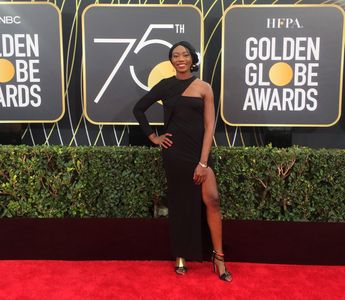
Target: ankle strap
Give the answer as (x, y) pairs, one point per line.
(219, 254)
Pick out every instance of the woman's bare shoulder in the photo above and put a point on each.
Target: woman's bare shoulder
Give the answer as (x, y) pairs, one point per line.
(204, 87)
(203, 84)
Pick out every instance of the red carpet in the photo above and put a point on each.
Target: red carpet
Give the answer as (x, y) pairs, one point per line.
(51, 280)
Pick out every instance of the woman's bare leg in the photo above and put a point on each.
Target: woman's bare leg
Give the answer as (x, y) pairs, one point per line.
(214, 216)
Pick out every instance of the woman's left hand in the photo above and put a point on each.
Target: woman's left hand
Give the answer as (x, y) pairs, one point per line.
(200, 174)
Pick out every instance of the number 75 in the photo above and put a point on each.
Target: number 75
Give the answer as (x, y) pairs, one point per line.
(142, 43)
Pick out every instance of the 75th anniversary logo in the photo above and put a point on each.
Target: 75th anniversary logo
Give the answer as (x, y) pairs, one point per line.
(31, 82)
(282, 65)
(125, 52)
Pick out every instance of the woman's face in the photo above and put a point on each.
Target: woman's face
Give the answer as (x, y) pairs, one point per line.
(181, 59)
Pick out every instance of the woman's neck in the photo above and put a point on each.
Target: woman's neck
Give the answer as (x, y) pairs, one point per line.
(183, 76)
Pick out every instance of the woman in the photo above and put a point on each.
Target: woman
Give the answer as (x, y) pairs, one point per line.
(189, 126)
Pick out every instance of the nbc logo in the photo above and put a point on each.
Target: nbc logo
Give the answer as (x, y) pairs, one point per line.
(10, 20)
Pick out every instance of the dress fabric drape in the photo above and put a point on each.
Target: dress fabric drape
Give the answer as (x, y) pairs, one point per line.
(183, 117)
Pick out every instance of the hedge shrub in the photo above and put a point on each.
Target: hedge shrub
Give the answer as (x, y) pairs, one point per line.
(293, 184)
(55, 181)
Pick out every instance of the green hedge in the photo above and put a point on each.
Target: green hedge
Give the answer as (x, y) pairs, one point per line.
(55, 181)
(263, 183)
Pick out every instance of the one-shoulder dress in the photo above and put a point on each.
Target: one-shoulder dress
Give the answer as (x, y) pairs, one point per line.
(184, 119)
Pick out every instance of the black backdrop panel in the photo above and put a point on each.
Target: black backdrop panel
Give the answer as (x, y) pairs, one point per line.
(73, 129)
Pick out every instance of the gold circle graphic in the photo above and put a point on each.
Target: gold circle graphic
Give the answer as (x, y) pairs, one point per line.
(160, 71)
(281, 74)
(6, 70)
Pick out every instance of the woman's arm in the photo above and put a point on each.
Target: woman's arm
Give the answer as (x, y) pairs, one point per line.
(209, 125)
(143, 104)
(155, 94)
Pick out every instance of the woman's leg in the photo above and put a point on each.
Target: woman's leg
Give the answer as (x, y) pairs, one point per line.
(214, 216)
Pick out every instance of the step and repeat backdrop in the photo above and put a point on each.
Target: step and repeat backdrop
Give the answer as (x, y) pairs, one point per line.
(283, 66)
(31, 74)
(71, 71)
(122, 64)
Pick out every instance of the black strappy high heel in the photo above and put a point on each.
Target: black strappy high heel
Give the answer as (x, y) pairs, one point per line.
(226, 276)
(180, 267)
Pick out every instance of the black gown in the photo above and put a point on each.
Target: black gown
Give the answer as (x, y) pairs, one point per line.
(184, 119)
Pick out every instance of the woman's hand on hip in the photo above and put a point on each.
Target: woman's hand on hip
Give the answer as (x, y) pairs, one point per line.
(163, 140)
(200, 174)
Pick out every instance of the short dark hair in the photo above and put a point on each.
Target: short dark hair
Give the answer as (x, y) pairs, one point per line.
(192, 51)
